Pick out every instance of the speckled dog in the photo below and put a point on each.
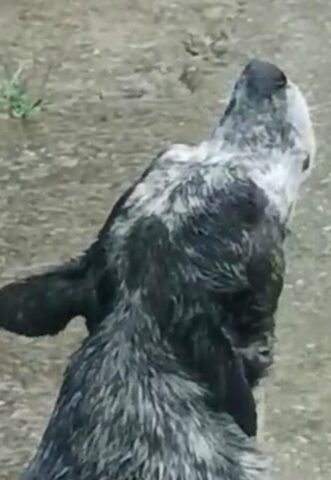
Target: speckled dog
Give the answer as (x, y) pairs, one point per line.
(179, 291)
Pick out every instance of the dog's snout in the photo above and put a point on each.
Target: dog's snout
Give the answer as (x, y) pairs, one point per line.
(263, 79)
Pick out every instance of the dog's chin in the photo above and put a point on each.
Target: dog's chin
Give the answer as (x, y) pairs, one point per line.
(299, 118)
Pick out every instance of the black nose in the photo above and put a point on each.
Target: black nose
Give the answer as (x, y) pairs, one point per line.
(263, 79)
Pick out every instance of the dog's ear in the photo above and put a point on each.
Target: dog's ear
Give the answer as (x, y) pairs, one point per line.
(231, 387)
(239, 399)
(43, 303)
(208, 351)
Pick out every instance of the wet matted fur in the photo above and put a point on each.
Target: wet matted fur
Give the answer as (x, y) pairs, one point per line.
(179, 291)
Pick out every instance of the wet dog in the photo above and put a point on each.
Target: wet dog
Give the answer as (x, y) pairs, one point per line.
(179, 292)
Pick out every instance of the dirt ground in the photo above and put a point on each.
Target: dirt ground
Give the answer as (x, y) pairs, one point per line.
(121, 79)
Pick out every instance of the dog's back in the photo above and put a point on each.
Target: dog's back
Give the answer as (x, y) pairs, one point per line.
(127, 410)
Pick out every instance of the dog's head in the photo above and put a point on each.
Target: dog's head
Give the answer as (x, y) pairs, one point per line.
(266, 126)
(266, 111)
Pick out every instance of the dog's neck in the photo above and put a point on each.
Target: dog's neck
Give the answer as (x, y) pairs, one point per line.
(278, 173)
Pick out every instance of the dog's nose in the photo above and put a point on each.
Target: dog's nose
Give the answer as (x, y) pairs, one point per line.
(263, 79)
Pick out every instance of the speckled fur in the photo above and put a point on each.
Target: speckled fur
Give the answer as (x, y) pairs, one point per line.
(186, 277)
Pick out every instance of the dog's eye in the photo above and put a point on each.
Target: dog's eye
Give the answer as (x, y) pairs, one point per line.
(306, 163)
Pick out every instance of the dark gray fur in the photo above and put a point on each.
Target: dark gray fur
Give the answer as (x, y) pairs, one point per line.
(180, 291)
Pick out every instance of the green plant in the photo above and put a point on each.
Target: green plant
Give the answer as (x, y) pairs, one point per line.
(15, 97)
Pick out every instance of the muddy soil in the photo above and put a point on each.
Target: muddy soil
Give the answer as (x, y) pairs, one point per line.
(119, 80)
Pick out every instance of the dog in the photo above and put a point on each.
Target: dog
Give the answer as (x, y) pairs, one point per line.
(179, 291)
